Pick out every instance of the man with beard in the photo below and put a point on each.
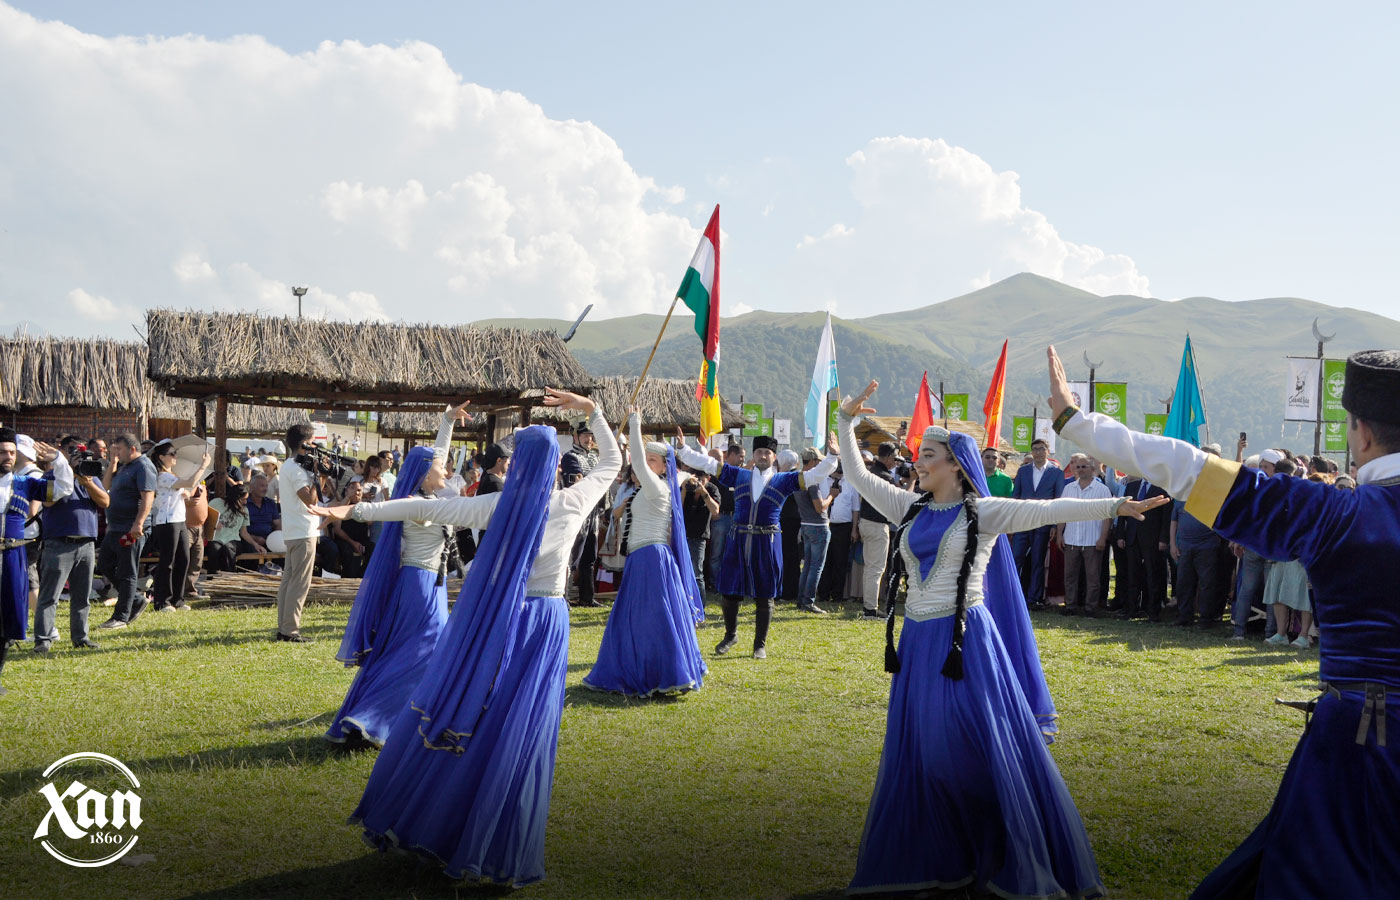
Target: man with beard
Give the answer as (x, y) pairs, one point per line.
(16, 494)
(753, 555)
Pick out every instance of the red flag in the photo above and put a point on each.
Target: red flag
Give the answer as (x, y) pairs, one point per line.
(923, 418)
(992, 408)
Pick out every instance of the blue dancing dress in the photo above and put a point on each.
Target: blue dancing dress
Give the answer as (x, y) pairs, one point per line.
(649, 644)
(399, 610)
(466, 774)
(1331, 831)
(967, 792)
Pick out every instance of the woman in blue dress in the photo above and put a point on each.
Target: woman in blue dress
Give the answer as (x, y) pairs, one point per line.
(649, 645)
(400, 607)
(967, 793)
(465, 776)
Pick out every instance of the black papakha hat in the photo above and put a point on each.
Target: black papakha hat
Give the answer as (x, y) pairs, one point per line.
(1372, 390)
(764, 442)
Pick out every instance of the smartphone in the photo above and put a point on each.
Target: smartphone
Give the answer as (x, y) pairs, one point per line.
(1243, 439)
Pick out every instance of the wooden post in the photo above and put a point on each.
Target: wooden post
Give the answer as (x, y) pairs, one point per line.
(524, 416)
(220, 445)
(201, 419)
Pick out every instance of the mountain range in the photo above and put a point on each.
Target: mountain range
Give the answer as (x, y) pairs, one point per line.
(1240, 351)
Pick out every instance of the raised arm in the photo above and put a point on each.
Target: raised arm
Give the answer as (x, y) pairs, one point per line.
(653, 486)
(463, 512)
(697, 460)
(891, 501)
(817, 473)
(450, 417)
(585, 493)
(1004, 515)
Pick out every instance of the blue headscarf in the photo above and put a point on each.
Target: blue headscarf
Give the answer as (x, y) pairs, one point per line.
(1002, 595)
(680, 547)
(377, 586)
(460, 680)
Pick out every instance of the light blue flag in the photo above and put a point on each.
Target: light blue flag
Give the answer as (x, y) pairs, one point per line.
(823, 380)
(1188, 412)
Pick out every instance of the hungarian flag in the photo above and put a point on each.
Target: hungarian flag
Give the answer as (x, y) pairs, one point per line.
(923, 417)
(700, 291)
(992, 408)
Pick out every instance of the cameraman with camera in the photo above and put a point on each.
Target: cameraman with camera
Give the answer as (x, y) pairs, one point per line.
(69, 549)
(296, 482)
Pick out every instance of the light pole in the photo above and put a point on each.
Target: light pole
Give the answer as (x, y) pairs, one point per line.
(299, 292)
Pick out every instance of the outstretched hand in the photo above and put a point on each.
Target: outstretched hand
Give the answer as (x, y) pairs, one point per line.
(1060, 396)
(336, 513)
(856, 405)
(1136, 508)
(566, 400)
(832, 447)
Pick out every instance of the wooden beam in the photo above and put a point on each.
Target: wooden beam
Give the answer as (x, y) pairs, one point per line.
(201, 420)
(220, 446)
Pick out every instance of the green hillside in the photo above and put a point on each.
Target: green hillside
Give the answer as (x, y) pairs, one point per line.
(1240, 350)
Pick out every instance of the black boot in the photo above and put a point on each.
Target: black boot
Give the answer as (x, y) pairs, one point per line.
(729, 605)
(762, 619)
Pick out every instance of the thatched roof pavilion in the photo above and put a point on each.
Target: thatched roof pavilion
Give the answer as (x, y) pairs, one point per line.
(665, 404)
(318, 364)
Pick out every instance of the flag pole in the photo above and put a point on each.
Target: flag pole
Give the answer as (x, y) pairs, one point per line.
(1200, 391)
(643, 377)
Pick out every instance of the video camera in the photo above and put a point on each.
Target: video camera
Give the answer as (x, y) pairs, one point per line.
(319, 461)
(87, 464)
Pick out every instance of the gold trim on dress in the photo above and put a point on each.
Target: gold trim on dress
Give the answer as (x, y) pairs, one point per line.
(1212, 486)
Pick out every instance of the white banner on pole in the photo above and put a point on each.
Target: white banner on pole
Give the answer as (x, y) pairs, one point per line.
(782, 431)
(1080, 392)
(1300, 396)
(1045, 428)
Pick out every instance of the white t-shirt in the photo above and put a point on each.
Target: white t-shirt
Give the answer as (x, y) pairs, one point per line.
(169, 504)
(297, 521)
(1085, 534)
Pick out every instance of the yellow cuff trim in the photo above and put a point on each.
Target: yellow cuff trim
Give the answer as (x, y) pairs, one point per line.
(1212, 485)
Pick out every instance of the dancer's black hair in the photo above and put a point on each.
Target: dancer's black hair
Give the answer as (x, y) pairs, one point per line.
(953, 665)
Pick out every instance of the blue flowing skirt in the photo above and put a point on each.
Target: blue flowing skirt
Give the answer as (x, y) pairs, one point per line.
(1331, 831)
(968, 793)
(408, 632)
(649, 644)
(481, 813)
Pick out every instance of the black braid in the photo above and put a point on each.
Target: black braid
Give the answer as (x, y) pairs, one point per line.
(953, 665)
(626, 524)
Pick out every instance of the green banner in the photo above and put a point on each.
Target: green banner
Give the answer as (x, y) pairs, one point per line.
(830, 425)
(765, 427)
(1334, 437)
(1111, 399)
(1334, 379)
(1156, 423)
(955, 406)
(1022, 432)
(752, 412)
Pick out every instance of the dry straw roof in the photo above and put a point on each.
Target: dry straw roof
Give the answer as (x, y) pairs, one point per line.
(878, 429)
(345, 365)
(44, 371)
(664, 402)
(244, 421)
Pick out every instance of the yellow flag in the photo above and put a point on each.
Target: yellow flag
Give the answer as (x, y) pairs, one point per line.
(711, 422)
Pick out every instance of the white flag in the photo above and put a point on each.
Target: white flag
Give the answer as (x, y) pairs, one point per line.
(1300, 397)
(1045, 429)
(823, 380)
(1080, 391)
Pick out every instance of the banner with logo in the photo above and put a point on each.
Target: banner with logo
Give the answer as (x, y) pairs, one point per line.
(1111, 399)
(1155, 423)
(751, 412)
(765, 427)
(955, 406)
(1300, 397)
(1022, 427)
(1334, 381)
(782, 430)
(1045, 431)
(1079, 390)
(1334, 437)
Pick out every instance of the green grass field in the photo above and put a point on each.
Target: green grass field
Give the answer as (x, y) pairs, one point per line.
(755, 786)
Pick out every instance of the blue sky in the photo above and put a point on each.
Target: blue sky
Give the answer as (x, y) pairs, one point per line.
(1229, 150)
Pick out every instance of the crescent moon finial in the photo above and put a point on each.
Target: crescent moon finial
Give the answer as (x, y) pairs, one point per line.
(1090, 363)
(1169, 398)
(1321, 338)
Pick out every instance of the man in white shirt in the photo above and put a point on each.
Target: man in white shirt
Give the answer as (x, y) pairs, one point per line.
(300, 529)
(1084, 543)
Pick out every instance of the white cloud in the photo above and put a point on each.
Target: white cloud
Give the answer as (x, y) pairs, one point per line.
(836, 231)
(734, 309)
(936, 219)
(96, 307)
(376, 174)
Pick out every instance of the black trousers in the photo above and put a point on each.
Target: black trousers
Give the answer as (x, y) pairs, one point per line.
(586, 566)
(172, 545)
(220, 557)
(1147, 590)
(832, 587)
(790, 520)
